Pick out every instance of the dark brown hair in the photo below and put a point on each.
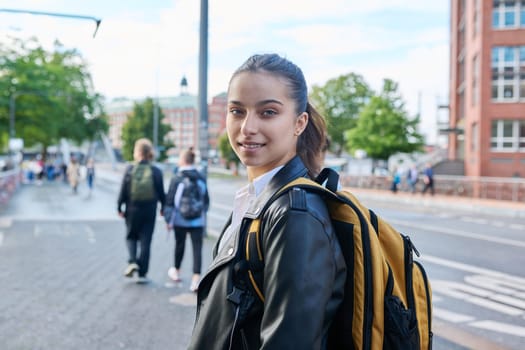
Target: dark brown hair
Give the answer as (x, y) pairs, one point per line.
(312, 141)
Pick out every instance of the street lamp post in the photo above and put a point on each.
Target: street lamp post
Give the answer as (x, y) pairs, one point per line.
(12, 115)
(203, 86)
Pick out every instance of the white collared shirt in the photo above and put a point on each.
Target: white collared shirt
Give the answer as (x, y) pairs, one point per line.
(244, 197)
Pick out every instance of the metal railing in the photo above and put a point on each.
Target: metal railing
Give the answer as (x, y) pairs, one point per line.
(9, 182)
(499, 188)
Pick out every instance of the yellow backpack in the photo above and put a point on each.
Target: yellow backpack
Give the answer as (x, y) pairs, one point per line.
(388, 299)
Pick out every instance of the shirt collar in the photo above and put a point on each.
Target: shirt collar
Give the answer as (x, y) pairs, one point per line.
(261, 181)
(255, 187)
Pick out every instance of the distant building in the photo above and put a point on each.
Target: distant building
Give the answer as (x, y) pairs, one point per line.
(180, 112)
(487, 87)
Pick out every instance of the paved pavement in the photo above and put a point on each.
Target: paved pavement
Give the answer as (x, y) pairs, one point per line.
(61, 283)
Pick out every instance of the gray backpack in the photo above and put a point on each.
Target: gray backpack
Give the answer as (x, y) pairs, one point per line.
(191, 203)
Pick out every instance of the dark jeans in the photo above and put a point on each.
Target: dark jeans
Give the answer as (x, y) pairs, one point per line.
(140, 222)
(429, 185)
(196, 234)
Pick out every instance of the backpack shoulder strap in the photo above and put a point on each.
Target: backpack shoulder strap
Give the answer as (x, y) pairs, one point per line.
(253, 249)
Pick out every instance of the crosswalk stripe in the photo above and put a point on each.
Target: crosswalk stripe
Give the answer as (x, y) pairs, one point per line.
(500, 327)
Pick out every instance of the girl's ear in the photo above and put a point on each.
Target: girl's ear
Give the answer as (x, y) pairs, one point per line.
(300, 123)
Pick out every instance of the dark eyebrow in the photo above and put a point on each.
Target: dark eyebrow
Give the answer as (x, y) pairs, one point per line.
(261, 103)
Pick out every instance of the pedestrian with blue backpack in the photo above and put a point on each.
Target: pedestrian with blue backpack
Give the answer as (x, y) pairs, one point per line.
(188, 201)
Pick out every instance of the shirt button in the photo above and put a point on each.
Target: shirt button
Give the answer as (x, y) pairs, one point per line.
(230, 251)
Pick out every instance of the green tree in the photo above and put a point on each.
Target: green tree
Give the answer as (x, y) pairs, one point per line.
(52, 92)
(384, 128)
(226, 151)
(340, 100)
(140, 124)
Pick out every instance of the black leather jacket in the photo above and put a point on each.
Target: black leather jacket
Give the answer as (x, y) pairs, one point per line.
(304, 277)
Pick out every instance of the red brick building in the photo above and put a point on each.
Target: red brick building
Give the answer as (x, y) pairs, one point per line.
(180, 112)
(487, 86)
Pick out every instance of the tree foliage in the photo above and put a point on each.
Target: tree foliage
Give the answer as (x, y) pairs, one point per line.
(51, 92)
(140, 124)
(340, 100)
(226, 150)
(384, 128)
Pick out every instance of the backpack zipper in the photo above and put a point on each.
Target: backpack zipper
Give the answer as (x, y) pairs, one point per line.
(429, 306)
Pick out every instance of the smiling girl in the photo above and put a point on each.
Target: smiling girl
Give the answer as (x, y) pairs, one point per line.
(279, 137)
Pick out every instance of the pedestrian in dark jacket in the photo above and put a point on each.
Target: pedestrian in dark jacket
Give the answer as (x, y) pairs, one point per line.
(140, 206)
(279, 137)
(428, 179)
(181, 224)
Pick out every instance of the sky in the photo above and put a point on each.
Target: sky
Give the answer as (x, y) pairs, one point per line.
(144, 48)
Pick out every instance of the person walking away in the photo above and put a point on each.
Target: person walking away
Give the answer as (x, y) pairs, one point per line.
(73, 174)
(188, 194)
(412, 178)
(278, 136)
(142, 187)
(428, 179)
(396, 180)
(90, 175)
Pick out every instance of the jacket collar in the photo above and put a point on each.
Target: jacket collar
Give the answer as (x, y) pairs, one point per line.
(292, 170)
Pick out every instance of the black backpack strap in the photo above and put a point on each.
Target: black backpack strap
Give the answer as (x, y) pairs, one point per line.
(330, 176)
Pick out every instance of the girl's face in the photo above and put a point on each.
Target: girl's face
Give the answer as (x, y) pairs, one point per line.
(262, 124)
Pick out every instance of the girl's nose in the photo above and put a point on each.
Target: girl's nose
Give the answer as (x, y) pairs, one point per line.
(249, 124)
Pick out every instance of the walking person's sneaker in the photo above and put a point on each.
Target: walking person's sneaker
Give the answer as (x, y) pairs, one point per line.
(174, 274)
(142, 280)
(195, 283)
(130, 270)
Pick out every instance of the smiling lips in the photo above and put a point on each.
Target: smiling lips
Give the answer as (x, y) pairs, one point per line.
(250, 146)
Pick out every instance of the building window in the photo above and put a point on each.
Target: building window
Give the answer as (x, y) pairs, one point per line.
(475, 80)
(476, 22)
(474, 138)
(508, 14)
(508, 73)
(508, 136)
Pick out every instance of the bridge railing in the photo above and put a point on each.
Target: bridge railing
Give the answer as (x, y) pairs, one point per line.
(9, 182)
(510, 189)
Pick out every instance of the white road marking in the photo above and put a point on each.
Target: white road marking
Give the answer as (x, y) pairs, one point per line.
(450, 316)
(1, 238)
(517, 227)
(459, 233)
(475, 296)
(90, 234)
(497, 223)
(498, 284)
(500, 327)
(474, 220)
(36, 230)
(470, 268)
